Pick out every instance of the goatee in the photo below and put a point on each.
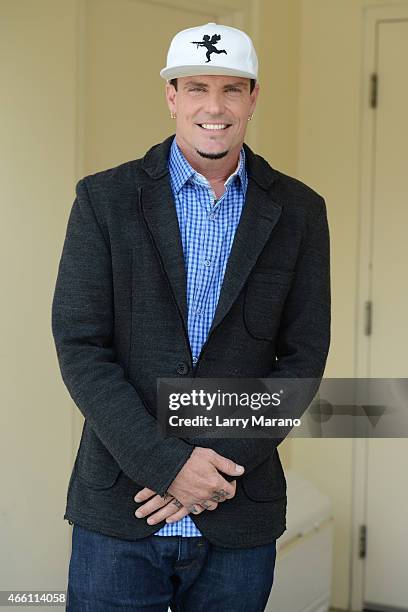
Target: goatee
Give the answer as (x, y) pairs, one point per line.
(212, 155)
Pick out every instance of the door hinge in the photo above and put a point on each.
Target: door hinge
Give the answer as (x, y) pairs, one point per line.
(362, 548)
(368, 323)
(374, 90)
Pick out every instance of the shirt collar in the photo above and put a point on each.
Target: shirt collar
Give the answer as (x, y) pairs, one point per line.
(181, 170)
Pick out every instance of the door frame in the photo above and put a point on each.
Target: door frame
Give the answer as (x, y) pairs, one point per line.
(371, 18)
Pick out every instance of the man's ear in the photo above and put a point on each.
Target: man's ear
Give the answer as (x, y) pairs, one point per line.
(254, 97)
(171, 95)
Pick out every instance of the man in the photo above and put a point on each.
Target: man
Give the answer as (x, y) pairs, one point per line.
(197, 260)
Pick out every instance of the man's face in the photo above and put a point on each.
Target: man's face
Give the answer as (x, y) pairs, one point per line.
(212, 113)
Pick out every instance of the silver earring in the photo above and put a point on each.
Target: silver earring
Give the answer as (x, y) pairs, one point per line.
(173, 115)
(250, 117)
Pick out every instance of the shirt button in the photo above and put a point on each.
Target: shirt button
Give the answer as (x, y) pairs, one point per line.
(195, 359)
(207, 262)
(182, 368)
(212, 216)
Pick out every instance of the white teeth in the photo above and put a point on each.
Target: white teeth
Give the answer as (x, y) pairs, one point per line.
(213, 126)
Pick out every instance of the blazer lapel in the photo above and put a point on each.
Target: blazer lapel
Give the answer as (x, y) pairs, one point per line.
(259, 216)
(159, 211)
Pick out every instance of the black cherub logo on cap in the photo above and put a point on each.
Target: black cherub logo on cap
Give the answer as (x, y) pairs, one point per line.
(209, 44)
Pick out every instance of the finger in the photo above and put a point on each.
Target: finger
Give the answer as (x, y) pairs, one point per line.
(209, 505)
(195, 508)
(150, 506)
(184, 511)
(233, 484)
(144, 494)
(177, 515)
(225, 489)
(165, 512)
(221, 494)
(226, 465)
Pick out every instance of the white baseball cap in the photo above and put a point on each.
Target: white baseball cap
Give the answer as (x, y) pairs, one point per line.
(211, 49)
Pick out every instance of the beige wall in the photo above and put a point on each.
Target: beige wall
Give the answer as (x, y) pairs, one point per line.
(37, 171)
(276, 121)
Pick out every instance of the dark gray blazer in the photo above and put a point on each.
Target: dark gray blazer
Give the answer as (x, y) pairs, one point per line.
(119, 321)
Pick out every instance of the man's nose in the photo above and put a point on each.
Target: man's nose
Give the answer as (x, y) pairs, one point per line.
(215, 103)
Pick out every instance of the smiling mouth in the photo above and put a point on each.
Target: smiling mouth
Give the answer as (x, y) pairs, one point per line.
(214, 127)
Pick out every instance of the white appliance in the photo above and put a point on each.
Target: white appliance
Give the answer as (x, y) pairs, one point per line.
(303, 569)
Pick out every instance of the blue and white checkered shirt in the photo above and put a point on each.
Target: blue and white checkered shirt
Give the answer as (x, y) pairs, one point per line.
(207, 229)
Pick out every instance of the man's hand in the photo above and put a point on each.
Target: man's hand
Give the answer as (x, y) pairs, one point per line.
(169, 508)
(197, 487)
(199, 479)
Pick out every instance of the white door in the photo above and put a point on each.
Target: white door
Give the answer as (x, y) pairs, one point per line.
(385, 584)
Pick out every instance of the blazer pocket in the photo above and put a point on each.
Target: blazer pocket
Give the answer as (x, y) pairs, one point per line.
(95, 465)
(264, 299)
(266, 482)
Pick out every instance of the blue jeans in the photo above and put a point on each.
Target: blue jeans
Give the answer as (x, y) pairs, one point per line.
(153, 573)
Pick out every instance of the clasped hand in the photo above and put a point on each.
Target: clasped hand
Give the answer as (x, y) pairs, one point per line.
(197, 487)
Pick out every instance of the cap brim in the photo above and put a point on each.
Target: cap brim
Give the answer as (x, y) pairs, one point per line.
(195, 70)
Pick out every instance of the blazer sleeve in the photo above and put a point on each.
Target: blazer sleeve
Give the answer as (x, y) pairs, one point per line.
(303, 338)
(82, 327)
